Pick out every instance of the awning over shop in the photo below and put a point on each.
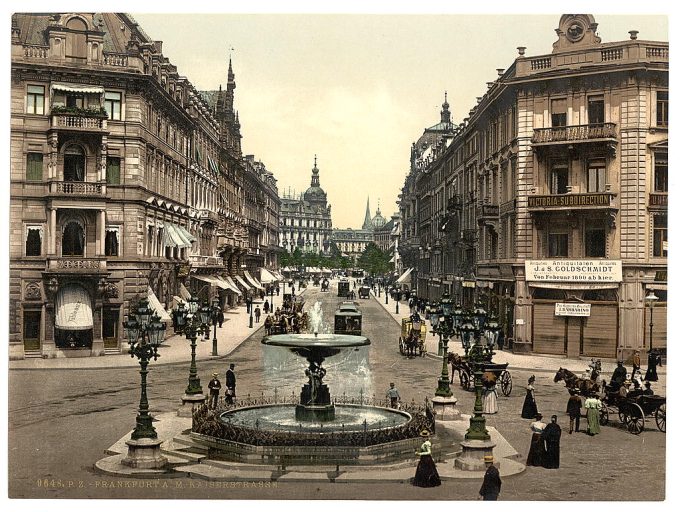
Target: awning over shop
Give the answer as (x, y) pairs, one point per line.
(405, 276)
(73, 309)
(266, 276)
(214, 281)
(240, 280)
(326, 271)
(186, 234)
(229, 286)
(156, 305)
(233, 285)
(575, 286)
(183, 292)
(252, 280)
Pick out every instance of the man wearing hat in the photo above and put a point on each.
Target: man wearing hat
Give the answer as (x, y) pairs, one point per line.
(574, 405)
(231, 384)
(491, 487)
(214, 386)
(619, 376)
(393, 395)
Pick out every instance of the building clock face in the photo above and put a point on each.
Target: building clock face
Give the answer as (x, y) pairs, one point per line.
(575, 31)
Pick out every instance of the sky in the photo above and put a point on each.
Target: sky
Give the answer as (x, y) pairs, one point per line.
(355, 89)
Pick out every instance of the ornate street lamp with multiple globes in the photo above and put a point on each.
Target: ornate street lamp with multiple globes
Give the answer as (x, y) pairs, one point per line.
(215, 317)
(478, 356)
(650, 301)
(145, 333)
(444, 329)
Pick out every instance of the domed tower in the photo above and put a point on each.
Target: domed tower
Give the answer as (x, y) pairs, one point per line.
(378, 220)
(315, 195)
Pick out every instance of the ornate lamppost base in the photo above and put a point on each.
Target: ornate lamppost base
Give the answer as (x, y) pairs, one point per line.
(144, 453)
(472, 457)
(445, 408)
(189, 404)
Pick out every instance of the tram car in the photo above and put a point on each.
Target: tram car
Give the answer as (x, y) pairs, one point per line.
(343, 288)
(364, 292)
(348, 320)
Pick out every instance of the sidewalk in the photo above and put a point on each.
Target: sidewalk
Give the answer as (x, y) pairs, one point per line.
(175, 348)
(528, 362)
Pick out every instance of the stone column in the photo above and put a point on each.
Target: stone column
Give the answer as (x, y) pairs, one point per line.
(101, 232)
(51, 244)
(97, 323)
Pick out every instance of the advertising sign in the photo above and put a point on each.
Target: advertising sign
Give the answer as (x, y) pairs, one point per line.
(572, 309)
(574, 271)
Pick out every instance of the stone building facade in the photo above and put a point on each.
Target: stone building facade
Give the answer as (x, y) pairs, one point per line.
(352, 242)
(125, 184)
(550, 202)
(305, 221)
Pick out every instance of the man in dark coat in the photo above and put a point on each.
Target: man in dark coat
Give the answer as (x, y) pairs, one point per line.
(491, 487)
(574, 405)
(231, 384)
(551, 436)
(618, 377)
(214, 386)
(652, 362)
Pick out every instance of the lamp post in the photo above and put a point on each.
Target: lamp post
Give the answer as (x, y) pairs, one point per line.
(204, 314)
(650, 300)
(250, 321)
(145, 333)
(195, 323)
(445, 329)
(215, 313)
(387, 295)
(396, 306)
(466, 330)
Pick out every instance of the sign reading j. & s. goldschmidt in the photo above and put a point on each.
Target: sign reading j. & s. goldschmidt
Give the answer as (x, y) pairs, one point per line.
(579, 271)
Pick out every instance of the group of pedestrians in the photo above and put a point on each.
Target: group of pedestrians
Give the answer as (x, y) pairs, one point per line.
(215, 385)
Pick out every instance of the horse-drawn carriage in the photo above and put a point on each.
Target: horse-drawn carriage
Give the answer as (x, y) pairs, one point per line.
(324, 285)
(316, 281)
(347, 319)
(632, 410)
(412, 339)
(466, 372)
(364, 292)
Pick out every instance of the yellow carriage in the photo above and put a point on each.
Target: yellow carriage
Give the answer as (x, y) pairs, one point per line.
(412, 338)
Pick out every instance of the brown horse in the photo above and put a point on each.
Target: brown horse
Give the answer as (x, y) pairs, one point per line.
(456, 363)
(572, 381)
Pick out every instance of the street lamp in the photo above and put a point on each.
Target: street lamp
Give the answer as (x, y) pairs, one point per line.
(215, 314)
(145, 333)
(492, 328)
(477, 356)
(445, 329)
(479, 315)
(193, 327)
(433, 312)
(650, 300)
(466, 330)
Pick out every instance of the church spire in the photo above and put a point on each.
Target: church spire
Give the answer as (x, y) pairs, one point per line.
(367, 217)
(445, 113)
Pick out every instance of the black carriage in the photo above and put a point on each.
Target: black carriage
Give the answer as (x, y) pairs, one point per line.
(316, 281)
(632, 410)
(343, 288)
(324, 285)
(364, 292)
(347, 320)
(466, 374)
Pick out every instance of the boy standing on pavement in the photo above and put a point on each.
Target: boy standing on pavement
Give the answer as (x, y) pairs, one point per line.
(214, 386)
(393, 395)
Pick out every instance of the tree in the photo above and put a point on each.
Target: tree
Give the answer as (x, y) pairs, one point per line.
(375, 261)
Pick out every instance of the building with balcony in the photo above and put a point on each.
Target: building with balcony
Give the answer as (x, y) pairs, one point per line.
(554, 191)
(125, 184)
(305, 221)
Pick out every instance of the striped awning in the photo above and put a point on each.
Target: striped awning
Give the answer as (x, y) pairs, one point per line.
(252, 280)
(232, 284)
(82, 89)
(266, 276)
(183, 292)
(405, 276)
(156, 305)
(174, 236)
(225, 285)
(213, 280)
(240, 280)
(73, 309)
(186, 234)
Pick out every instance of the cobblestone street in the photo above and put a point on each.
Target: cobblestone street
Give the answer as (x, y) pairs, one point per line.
(61, 421)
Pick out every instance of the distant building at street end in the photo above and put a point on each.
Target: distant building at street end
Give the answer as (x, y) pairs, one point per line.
(553, 193)
(305, 221)
(352, 242)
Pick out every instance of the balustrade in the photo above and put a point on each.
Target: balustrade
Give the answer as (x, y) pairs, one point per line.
(77, 188)
(574, 133)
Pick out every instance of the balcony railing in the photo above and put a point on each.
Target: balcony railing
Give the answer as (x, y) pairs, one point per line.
(208, 215)
(574, 133)
(571, 201)
(658, 199)
(76, 264)
(78, 122)
(116, 59)
(77, 188)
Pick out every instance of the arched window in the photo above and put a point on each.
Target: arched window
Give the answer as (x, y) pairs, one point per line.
(74, 164)
(73, 239)
(76, 41)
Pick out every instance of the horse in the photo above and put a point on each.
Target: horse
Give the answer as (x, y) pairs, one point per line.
(572, 381)
(456, 363)
(411, 344)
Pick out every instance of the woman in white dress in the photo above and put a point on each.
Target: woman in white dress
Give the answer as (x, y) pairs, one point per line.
(490, 405)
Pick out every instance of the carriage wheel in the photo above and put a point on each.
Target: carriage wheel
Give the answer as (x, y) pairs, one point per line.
(464, 380)
(604, 415)
(506, 383)
(660, 416)
(635, 418)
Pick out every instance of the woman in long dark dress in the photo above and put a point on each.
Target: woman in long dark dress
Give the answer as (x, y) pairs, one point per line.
(426, 472)
(537, 449)
(529, 409)
(551, 436)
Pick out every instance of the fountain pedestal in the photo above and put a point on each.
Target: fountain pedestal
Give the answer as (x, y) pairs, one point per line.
(319, 408)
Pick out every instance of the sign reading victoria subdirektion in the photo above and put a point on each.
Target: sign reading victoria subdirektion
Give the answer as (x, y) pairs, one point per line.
(580, 271)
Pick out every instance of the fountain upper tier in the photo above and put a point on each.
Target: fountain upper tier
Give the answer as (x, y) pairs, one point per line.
(323, 345)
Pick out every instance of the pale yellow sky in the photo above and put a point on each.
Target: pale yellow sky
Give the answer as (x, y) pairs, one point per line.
(355, 89)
